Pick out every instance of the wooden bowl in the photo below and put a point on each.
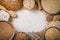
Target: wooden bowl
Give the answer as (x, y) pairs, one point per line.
(51, 6)
(6, 31)
(52, 33)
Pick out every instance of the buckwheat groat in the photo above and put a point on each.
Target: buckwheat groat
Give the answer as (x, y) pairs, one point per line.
(51, 6)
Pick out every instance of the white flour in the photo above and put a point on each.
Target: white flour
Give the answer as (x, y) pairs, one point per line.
(30, 20)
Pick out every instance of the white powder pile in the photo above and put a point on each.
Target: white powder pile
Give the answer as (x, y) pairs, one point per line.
(30, 20)
(4, 16)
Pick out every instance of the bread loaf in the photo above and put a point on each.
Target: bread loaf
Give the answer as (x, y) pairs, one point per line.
(21, 36)
(12, 4)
